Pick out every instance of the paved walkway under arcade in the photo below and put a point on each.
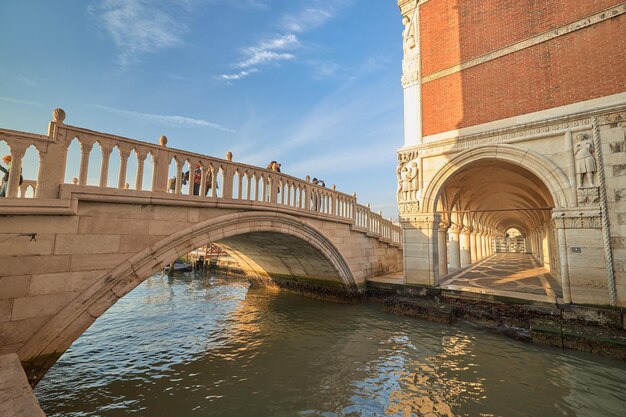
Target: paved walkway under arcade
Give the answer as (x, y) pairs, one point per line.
(513, 275)
(508, 274)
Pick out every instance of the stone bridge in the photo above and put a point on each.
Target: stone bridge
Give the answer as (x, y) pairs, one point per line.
(70, 252)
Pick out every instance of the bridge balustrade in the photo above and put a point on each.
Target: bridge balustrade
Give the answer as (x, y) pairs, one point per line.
(262, 187)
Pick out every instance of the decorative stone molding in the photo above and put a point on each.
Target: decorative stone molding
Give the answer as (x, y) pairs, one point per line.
(588, 195)
(420, 221)
(591, 219)
(411, 207)
(613, 119)
(410, 72)
(509, 135)
(543, 37)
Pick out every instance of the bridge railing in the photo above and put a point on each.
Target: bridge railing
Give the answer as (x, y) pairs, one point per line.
(221, 179)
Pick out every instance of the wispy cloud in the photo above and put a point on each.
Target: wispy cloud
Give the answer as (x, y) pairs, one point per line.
(269, 50)
(283, 47)
(20, 101)
(138, 27)
(237, 76)
(25, 80)
(307, 19)
(181, 121)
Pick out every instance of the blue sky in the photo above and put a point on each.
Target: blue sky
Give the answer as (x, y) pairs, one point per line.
(312, 84)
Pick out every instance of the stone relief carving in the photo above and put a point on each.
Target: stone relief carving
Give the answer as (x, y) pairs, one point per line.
(408, 176)
(585, 160)
(589, 195)
(578, 220)
(405, 208)
(614, 119)
(410, 70)
(408, 35)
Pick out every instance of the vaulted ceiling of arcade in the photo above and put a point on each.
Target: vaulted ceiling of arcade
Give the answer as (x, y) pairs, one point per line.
(496, 194)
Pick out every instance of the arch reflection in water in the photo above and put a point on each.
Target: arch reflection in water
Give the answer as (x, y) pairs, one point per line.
(192, 346)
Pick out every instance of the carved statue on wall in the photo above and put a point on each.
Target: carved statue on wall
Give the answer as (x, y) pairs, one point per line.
(585, 161)
(408, 181)
(408, 37)
(408, 176)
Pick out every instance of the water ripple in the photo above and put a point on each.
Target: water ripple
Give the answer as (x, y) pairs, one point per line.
(196, 346)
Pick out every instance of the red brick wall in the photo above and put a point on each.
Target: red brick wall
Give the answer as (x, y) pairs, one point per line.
(454, 31)
(582, 65)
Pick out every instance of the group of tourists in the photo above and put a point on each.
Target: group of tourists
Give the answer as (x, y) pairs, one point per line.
(197, 181)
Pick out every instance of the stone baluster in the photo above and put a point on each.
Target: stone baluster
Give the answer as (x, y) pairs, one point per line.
(104, 168)
(239, 185)
(227, 181)
(272, 182)
(203, 184)
(214, 174)
(179, 176)
(248, 186)
(17, 153)
(121, 179)
(85, 151)
(141, 157)
(257, 179)
(192, 176)
(155, 172)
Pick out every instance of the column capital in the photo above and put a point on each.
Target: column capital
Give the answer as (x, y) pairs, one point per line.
(444, 226)
(455, 228)
(421, 221)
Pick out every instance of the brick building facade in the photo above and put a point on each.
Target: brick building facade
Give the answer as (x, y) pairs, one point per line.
(515, 116)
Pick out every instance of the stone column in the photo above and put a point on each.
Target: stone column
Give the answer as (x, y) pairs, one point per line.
(455, 251)
(442, 251)
(420, 235)
(464, 242)
(473, 247)
(479, 245)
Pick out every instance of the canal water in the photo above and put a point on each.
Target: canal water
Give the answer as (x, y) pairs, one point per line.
(210, 346)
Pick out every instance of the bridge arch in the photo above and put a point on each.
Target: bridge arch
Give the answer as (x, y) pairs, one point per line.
(42, 350)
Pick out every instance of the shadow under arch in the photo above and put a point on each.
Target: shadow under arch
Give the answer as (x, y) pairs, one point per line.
(562, 192)
(43, 349)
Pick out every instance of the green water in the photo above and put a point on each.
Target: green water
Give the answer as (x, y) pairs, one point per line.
(208, 346)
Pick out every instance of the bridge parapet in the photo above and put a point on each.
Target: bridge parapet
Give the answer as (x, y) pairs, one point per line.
(223, 182)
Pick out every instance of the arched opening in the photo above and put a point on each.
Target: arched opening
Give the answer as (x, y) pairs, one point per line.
(498, 229)
(269, 247)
